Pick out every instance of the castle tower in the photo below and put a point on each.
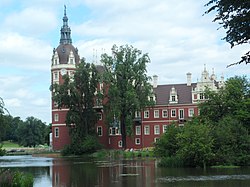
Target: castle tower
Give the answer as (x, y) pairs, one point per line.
(64, 60)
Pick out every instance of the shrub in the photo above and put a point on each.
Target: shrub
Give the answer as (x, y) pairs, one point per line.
(89, 145)
(10, 178)
(2, 151)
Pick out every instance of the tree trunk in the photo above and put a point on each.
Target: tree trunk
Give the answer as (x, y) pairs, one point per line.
(123, 131)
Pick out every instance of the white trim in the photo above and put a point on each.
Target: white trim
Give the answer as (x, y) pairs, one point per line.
(179, 111)
(160, 121)
(157, 127)
(163, 128)
(120, 143)
(137, 143)
(164, 110)
(100, 131)
(146, 111)
(55, 125)
(56, 132)
(172, 113)
(137, 129)
(60, 66)
(63, 109)
(155, 116)
(145, 130)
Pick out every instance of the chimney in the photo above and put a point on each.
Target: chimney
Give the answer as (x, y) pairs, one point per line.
(155, 80)
(189, 81)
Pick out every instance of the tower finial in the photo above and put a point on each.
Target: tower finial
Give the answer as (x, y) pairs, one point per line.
(65, 30)
(64, 10)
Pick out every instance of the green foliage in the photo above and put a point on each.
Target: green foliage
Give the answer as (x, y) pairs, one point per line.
(2, 151)
(195, 144)
(10, 178)
(2, 120)
(31, 132)
(128, 86)
(234, 16)
(78, 95)
(167, 145)
(172, 162)
(89, 145)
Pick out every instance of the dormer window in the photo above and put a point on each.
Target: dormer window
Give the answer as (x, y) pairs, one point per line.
(71, 58)
(173, 98)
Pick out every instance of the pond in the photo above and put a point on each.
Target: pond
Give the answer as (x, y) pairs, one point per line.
(85, 172)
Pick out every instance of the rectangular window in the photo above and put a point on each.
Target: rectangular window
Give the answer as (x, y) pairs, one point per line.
(181, 113)
(156, 113)
(99, 116)
(156, 139)
(156, 129)
(137, 114)
(164, 113)
(55, 76)
(120, 143)
(146, 130)
(173, 113)
(173, 97)
(146, 114)
(191, 112)
(137, 141)
(137, 130)
(56, 117)
(164, 128)
(99, 130)
(201, 96)
(56, 132)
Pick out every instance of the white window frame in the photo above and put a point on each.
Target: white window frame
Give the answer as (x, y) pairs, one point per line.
(156, 113)
(156, 129)
(56, 76)
(181, 117)
(156, 139)
(120, 143)
(164, 128)
(56, 131)
(146, 114)
(173, 110)
(190, 114)
(99, 130)
(137, 114)
(137, 130)
(164, 116)
(56, 117)
(146, 130)
(137, 141)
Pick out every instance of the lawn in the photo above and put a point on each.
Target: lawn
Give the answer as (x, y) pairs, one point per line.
(9, 145)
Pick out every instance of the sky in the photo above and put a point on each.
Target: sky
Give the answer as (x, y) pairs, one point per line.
(176, 35)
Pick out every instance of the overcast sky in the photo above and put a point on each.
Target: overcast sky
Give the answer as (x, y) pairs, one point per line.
(174, 33)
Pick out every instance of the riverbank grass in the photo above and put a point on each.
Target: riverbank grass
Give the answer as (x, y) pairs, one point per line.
(225, 167)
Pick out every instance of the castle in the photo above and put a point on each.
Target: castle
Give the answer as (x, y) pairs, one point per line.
(174, 102)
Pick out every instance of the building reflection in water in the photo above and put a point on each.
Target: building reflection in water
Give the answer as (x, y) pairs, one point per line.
(125, 173)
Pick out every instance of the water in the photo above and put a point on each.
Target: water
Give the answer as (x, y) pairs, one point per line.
(84, 172)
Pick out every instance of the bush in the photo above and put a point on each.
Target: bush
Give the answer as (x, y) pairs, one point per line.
(2, 151)
(89, 145)
(10, 178)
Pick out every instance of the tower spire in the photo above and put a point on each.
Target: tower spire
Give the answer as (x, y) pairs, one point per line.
(65, 30)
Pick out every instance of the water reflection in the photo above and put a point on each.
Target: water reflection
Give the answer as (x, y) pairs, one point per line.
(78, 172)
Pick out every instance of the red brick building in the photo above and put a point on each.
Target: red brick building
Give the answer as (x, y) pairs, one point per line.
(174, 102)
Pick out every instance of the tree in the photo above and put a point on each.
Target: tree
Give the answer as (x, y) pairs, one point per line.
(167, 145)
(31, 132)
(235, 17)
(78, 95)
(195, 144)
(2, 119)
(128, 86)
(231, 100)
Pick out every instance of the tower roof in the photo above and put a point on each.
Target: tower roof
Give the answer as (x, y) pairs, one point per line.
(65, 30)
